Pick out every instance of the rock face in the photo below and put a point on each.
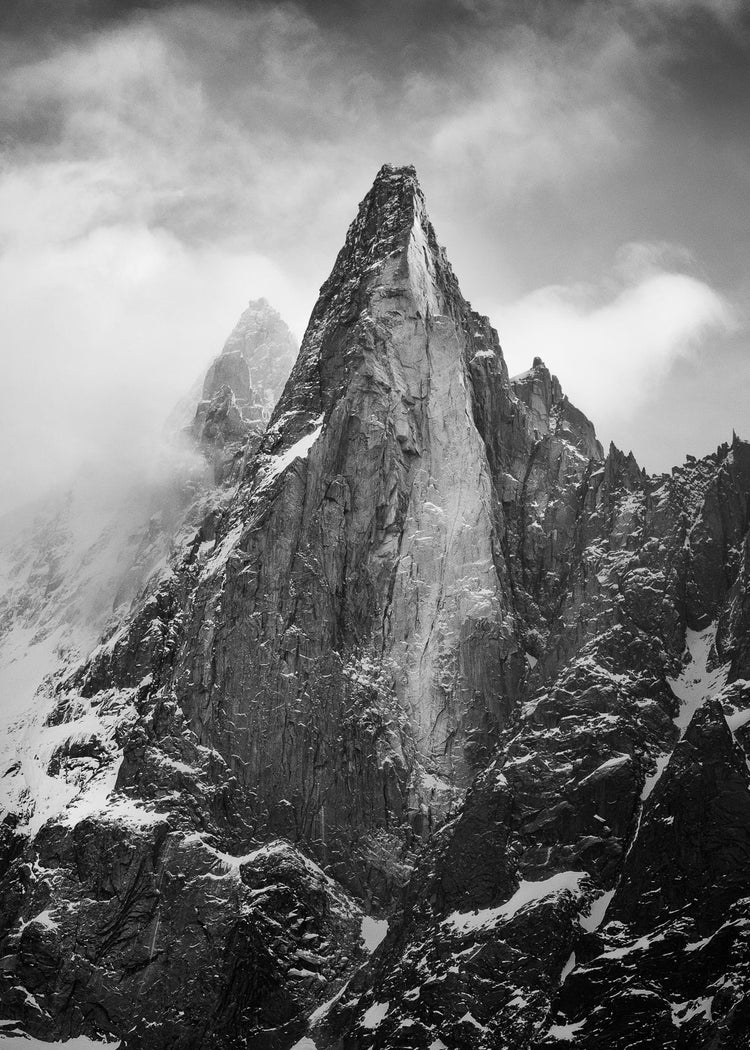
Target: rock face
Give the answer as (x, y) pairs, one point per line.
(363, 650)
(426, 651)
(242, 386)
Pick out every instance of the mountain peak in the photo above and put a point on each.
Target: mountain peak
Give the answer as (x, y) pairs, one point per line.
(243, 384)
(390, 248)
(396, 181)
(399, 171)
(387, 213)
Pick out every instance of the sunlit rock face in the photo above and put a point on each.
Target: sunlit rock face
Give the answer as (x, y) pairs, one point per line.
(417, 649)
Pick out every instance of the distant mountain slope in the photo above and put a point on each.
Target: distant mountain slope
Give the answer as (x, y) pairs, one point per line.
(72, 565)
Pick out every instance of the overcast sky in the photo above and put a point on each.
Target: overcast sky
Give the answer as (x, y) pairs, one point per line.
(586, 165)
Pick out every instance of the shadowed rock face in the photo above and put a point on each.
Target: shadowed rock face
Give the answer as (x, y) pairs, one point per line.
(425, 632)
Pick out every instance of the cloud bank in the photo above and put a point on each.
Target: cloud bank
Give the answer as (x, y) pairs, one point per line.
(162, 166)
(613, 346)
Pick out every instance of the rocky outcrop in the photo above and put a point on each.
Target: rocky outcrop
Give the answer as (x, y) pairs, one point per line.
(255, 938)
(433, 654)
(242, 387)
(599, 847)
(671, 963)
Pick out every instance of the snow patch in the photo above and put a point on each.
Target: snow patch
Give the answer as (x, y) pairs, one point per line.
(643, 944)
(611, 763)
(695, 684)
(431, 783)
(218, 558)
(373, 932)
(318, 1014)
(593, 919)
(738, 719)
(684, 1012)
(375, 1014)
(24, 1042)
(45, 919)
(84, 783)
(568, 968)
(565, 1032)
(469, 1018)
(652, 780)
(94, 798)
(528, 893)
(299, 450)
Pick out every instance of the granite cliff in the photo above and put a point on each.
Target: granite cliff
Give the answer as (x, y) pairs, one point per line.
(419, 650)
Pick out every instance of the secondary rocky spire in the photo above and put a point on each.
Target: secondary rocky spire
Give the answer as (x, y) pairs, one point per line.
(242, 386)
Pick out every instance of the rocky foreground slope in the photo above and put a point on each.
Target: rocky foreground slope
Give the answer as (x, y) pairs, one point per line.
(426, 653)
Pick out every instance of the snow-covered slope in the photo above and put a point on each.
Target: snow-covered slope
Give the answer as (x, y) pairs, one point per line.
(71, 568)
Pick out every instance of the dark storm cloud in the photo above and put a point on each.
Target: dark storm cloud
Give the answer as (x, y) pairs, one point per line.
(45, 19)
(586, 165)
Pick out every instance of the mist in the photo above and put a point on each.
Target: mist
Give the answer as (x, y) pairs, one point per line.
(162, 167)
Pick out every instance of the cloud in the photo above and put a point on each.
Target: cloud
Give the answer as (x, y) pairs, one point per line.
(163, 168)
(101, 337)
(220, 125)
(540, 112)
(613, 346)
(107, 314)
(223, 122)
(725, 11)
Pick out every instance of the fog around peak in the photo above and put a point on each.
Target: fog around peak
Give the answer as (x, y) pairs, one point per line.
(585, 165)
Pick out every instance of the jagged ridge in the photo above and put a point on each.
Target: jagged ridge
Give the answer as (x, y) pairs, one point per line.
(429, 596)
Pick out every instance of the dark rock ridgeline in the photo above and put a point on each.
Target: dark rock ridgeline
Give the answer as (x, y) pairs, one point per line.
(434, 638)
